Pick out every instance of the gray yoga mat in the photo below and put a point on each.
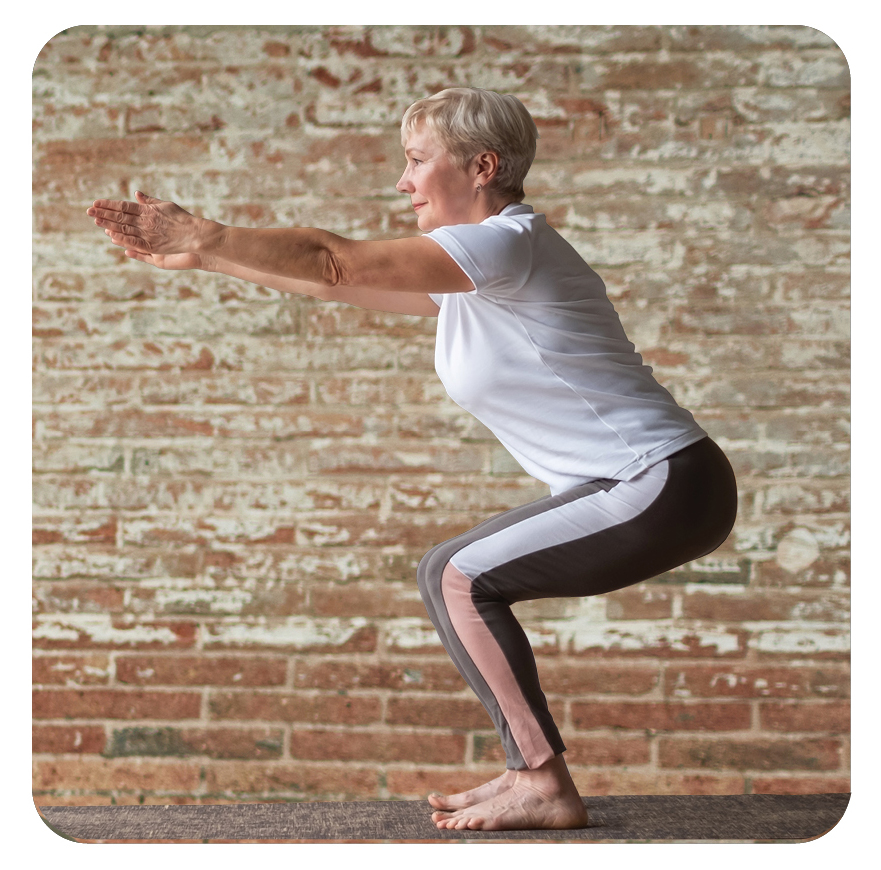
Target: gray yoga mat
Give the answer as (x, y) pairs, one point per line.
(632, 817)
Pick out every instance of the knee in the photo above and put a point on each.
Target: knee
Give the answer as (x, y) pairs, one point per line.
(430, 573)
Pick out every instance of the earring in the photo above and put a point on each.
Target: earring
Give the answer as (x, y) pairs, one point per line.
(479, 188)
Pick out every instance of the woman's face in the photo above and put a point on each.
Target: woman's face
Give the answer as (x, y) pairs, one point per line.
(441, 193)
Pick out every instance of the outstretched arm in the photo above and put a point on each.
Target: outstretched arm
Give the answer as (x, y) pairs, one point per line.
(375, 300)
(150, 228)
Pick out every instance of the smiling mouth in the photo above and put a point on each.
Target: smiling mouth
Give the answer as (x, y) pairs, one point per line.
(418, 204)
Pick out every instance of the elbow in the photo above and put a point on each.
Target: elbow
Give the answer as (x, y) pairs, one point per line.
(333, 270)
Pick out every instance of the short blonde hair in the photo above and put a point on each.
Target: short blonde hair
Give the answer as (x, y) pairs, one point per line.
(467, 121)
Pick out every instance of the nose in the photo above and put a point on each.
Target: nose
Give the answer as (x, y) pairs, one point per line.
(404, 185)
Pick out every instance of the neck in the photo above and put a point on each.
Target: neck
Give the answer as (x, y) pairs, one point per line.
(486, 207)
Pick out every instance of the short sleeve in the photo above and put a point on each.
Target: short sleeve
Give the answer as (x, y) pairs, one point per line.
(496, 255)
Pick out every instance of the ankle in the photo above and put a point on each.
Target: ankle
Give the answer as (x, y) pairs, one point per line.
(553, 773)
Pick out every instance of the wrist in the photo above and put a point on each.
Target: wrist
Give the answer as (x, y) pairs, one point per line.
(210, 239)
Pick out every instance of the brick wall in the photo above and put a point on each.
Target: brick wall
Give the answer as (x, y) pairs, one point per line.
(233, 487)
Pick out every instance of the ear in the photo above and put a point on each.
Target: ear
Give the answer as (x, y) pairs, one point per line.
(486, 166)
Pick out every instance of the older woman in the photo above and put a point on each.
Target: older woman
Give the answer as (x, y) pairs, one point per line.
(529, 343)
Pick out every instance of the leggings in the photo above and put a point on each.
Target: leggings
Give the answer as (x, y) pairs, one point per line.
(591, 539)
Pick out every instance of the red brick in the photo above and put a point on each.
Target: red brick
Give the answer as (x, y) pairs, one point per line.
(366, 388)
(71, 155)
(705, 38)
(439, 676)
(330, 320)
(68, 738)
(277, 635)
(337, 709)
(72, 596)
(381, 746)
(207, 532)
(56, 530)
(571, 39)
(316, 780)
(212, 742)
(94, 774)
(71, 669)
(691, 642)
(603, 751)
(592, 751)
(417, 784)
(603, 679)
(267, 598)
(735, 680)
(115, 704)
(759, 754)
(436, 712)
(822, 573)
(205, 387)
(367, 600)
(70, 458)
(628, 782)
(832, 717)
(662, 716)
(134, 423)
(74, 632)
(801, 785)
(756, 605)
(355, 529)
(100, 562)
(644, 601)
(204, 670)
(351, 458)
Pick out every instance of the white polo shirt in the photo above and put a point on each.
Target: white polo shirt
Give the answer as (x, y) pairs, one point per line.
(537, 353)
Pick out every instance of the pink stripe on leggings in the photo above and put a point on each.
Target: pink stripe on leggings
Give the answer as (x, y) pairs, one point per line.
(489, 659)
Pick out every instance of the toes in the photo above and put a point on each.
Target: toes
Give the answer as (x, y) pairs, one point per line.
(444, 824)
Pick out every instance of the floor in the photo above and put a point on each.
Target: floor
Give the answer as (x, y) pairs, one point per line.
(622, 818)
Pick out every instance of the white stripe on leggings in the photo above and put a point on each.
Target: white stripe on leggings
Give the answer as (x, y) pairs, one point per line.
(568, 522)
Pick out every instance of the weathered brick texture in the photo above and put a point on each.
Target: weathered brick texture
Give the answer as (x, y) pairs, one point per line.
(233, 488)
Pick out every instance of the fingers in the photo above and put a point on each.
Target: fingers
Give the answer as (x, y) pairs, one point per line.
(114, 206)
(137, 255)
(117, 230)
(129, 242)
(147, 200)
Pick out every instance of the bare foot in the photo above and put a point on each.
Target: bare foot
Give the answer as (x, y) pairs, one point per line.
(544, 798)
(466, 799)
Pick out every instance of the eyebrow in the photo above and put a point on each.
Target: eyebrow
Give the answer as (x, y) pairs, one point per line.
(411, 150)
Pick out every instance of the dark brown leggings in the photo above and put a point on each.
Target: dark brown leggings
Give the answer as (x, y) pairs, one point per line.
(592, 539)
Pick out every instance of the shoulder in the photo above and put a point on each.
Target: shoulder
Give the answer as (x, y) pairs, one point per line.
(507, 235)
(495, 254)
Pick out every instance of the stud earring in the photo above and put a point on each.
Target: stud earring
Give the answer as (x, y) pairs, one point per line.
(479, 188)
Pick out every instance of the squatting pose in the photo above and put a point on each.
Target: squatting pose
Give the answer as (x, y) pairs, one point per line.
(528, 342)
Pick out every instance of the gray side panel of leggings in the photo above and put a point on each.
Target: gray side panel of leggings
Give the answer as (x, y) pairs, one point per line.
(691, 517)
(428, 577)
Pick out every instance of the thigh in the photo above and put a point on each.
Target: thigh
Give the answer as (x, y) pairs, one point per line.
(609, 537)
(436, 559)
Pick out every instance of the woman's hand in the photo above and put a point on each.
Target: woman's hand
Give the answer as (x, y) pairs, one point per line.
(170, 261)
(152, 230)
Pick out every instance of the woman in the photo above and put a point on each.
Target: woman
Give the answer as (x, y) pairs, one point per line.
(529, 343)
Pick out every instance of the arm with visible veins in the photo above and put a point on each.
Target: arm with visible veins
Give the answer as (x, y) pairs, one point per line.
(391, 275)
